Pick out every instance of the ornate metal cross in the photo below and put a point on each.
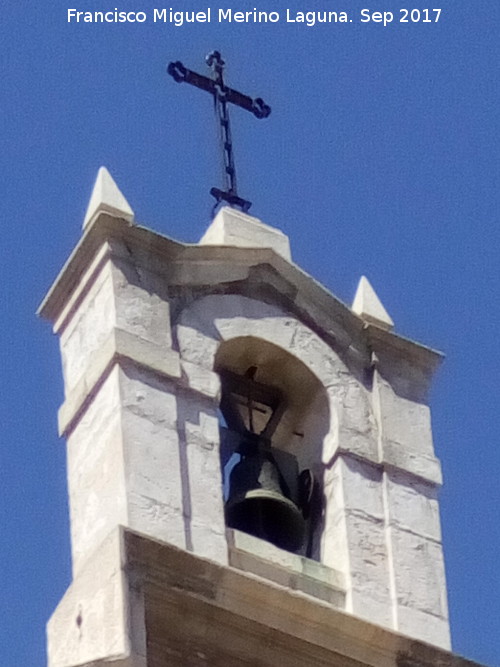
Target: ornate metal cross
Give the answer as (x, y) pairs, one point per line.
(223, 96)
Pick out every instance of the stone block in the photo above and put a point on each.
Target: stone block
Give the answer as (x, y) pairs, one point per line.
(368, 306)
(198, 427)
(405, 459)
(152, 462)
(212, 271)
(334, 543)
(88, 328)
(208, 542)
(119, 346)
(86, 388)
(412, 505)
(419, 573)
(363, 488)
(90, 622)
(106, 197)
(358, 432)
(96, 476)
(273, 327)
(205, 477)
(354, 503)
(234, 228)
(153, 357)
(374, 609)
(201, 379)
(223, 317)
(369, 568)
(148, 397)
(252, 554)
(318, 356)
(140, 310)
(196, 346)
(424, 627)
(333, 486)
(334, 540)
(404, 421)
(159, 520)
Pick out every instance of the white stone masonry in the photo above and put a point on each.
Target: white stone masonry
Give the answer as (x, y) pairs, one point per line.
(145, 324)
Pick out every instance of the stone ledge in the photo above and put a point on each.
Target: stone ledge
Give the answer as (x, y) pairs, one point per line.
(88, 279)
(120, 345)
(142, 601)
(193, 604)
(423, 468)
(311, 299)
(421, 355)
(123, 346)
(90, 622)
(200, 379)
(251, 554)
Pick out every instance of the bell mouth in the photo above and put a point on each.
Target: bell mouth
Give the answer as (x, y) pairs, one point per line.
(268, 515)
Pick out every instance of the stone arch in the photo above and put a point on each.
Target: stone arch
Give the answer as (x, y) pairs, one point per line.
(211, 320)
(234, 332)
(305, 421)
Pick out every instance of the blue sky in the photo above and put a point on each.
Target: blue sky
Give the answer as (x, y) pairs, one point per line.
(380, 158)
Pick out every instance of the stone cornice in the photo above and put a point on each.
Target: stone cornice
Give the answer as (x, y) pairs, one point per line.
(320, 634)
(307, 296)
(119, 347)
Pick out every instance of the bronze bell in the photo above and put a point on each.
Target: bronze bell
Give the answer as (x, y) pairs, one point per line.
(259, 501)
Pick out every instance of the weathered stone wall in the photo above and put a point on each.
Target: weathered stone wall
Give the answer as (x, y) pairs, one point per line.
(142, 450)
(96, 472)
(141, 342)
(91, 623)
(89, 327)
(151, 445)
(377, 465)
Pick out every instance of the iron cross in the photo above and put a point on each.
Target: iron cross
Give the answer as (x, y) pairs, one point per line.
(223, 96)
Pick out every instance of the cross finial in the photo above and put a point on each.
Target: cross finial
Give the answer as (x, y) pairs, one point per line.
(223, 96)
(214, 59)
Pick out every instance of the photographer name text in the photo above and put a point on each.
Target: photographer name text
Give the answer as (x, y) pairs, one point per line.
(307, 18)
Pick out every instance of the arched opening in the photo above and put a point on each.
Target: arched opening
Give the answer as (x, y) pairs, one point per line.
(274, 417)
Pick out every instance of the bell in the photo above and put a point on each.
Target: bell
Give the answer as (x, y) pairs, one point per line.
(259, 502)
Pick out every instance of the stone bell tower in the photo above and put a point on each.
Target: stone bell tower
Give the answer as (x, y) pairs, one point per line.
(190, 368)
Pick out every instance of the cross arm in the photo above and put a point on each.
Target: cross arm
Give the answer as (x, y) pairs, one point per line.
(180, 73)
(258, 107)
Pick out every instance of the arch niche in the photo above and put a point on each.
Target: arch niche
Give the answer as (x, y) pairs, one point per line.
(234, 333)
